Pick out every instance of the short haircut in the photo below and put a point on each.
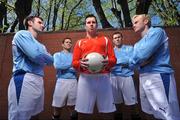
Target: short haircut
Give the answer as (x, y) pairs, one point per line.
(118, 33)
(146, 16)
(90, 15)
(30, 18)
(65, 39)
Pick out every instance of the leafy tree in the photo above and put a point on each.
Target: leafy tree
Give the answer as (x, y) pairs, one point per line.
(3, 16)
(57, 4)
(100, 13)
(125, 11)
(69, 14)
(168, 11)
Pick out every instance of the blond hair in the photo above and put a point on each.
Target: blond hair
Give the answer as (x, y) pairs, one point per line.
(145, 16)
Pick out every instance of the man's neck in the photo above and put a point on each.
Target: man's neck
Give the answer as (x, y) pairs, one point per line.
(66, 50)
(91, 35)
(35, 34)
(118, 46)
(144, 31)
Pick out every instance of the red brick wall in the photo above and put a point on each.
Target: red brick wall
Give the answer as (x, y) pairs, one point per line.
(52, 40)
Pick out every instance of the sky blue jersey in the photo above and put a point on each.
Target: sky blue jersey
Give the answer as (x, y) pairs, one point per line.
(28, 54)
(153, 46)
(122, 55)
(63, 65)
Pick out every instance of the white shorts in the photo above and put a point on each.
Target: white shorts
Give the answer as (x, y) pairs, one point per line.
(94, 88)
(25, 96)
(158, 96)
(123, 90)
(65, 91)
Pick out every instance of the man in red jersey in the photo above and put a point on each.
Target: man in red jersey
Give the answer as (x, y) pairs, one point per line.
(94, 88)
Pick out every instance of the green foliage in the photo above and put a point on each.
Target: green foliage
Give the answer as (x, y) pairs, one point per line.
(76, 15)
(3, 28)
(167, 10)
(73, 19)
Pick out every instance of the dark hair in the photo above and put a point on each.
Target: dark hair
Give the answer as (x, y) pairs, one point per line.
(90, 15)
(65, 39)
(30, 18)
(118, 33)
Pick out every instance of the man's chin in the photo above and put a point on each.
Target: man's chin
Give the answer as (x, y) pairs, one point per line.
(136, 31)
(39, 31)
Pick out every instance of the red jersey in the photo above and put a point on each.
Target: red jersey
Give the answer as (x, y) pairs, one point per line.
(100, 44)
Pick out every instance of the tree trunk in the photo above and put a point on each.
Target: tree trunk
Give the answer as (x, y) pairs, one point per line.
(62, 16)
(56, 7)
(143, 6)
(14, 25)
(22, 9)
(126, 13)
(100, 13)
(38, 7)
(3, 17)
(49, 14)
(118, 16)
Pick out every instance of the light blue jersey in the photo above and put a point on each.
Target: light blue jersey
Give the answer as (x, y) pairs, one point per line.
(28, 54)
(123, 54)
(63, 65)
(153, 45)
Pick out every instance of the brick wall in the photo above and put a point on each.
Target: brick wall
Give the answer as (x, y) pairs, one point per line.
(52, 40)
